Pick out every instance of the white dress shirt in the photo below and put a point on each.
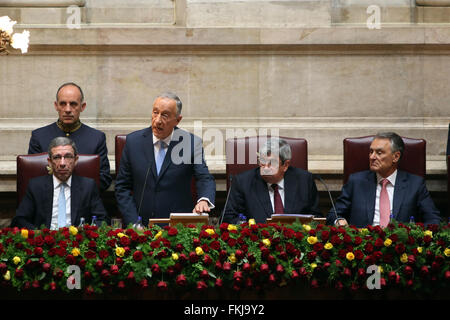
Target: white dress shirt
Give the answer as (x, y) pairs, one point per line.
(390, 190)
(272, 193)
(167, 140)
(56, 189)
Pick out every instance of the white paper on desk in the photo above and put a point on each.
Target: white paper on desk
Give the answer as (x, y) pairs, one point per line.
(188, 214)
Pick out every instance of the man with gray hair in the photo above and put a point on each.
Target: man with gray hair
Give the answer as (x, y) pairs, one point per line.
(376, 196)
(274, 187)
(60, 199)
(158, 165)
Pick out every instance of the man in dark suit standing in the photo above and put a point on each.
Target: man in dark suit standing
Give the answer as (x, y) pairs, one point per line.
(274, 187)
(69, 104)
(383, 193)
(157, 167)
(60, 199)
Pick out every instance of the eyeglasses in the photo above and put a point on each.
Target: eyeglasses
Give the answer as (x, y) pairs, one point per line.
(58, 157)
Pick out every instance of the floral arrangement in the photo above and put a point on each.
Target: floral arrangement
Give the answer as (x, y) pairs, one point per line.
(249, 256)
(16, 40)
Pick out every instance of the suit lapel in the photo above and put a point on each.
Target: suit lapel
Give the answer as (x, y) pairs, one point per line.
(48, 200)
(262, 193)
(290, 187)
(149, 151)
(399, 192)
(371, 187)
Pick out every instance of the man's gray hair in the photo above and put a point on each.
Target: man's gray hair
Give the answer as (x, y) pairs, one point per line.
(397, 143)
(276, 146)
(172, 96)
(61, 141)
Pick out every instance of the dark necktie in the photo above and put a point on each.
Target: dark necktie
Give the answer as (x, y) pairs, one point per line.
(278, 204)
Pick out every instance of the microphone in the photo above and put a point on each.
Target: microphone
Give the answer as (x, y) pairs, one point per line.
(143, 189)
(226, 202)
(318, 177)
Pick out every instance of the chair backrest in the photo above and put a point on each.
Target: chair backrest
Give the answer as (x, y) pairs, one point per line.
(120, 144)
(356, 156)
(34, 165)
(241, 154)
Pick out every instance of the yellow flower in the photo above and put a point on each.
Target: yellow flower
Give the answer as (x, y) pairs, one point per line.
(328, 246)
(350, 256)
(232, 258)
(387, 242)
(73, 230)
(7, 276)
(199, 251)
(75, 252)
(447, 252)
(307, 227)
(313, 265)
(24, 233)
(231, 227)
(120, 235)
(380, 269)
(419, 249)
(210, 231)
(312, 240)
(174, 256)
(429, 233)
(251, 222)
(158, 235)
(120, 252)
(266, 242)
(16, 260)
(364, 230)
(404, 258)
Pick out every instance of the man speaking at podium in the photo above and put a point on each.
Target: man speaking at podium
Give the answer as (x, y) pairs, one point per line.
(273, 188)
(157, 166)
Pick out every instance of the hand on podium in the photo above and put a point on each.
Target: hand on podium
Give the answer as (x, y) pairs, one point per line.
(201, 206)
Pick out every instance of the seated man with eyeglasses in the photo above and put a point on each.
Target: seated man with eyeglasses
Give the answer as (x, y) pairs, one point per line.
(60, 199)
(273, 188)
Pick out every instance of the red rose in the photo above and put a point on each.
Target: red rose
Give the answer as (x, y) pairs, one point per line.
(19, 273)
(155, 268)
(232, 242)
(193, 257)
(70, 259)
(239, 254)
(264, 268)
(207, 260)
(447, 275)
(114, 270)
(91, 254)
(271, 260)
(130, 277)
(347, 272)
(246, 267)
(408, 271)
(196, 242)
(98, 265)
(379, 243)
(137, 256)
(359, 255)
(144, 284)
(294, 275)
(124, 241)
(339, 286)
(103, 254)
(238, 276)
(38, 251)
(179, 247)
(172, 232)
(162, 285)
(358, 241)
(314, 284)
(87, 275)
(218, 265)
(400, 248)
(52, 286)
(201, 285)
(105, 275)
(226, 266)
(280, 269)
(181, 280)
(219, 283)
(49, 241)
(272, 280)
(204, 274)
(215, 245)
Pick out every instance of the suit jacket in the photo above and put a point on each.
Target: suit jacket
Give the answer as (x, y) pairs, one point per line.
(411, 198)
(141, 192)
(88, 141)
(249, 195)
(35, 209)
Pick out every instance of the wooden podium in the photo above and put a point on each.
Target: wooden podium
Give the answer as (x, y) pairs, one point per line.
(291, 218)
(183, 218)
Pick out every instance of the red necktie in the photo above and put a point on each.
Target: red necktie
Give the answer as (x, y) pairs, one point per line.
(278, 204)
(385, 205)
